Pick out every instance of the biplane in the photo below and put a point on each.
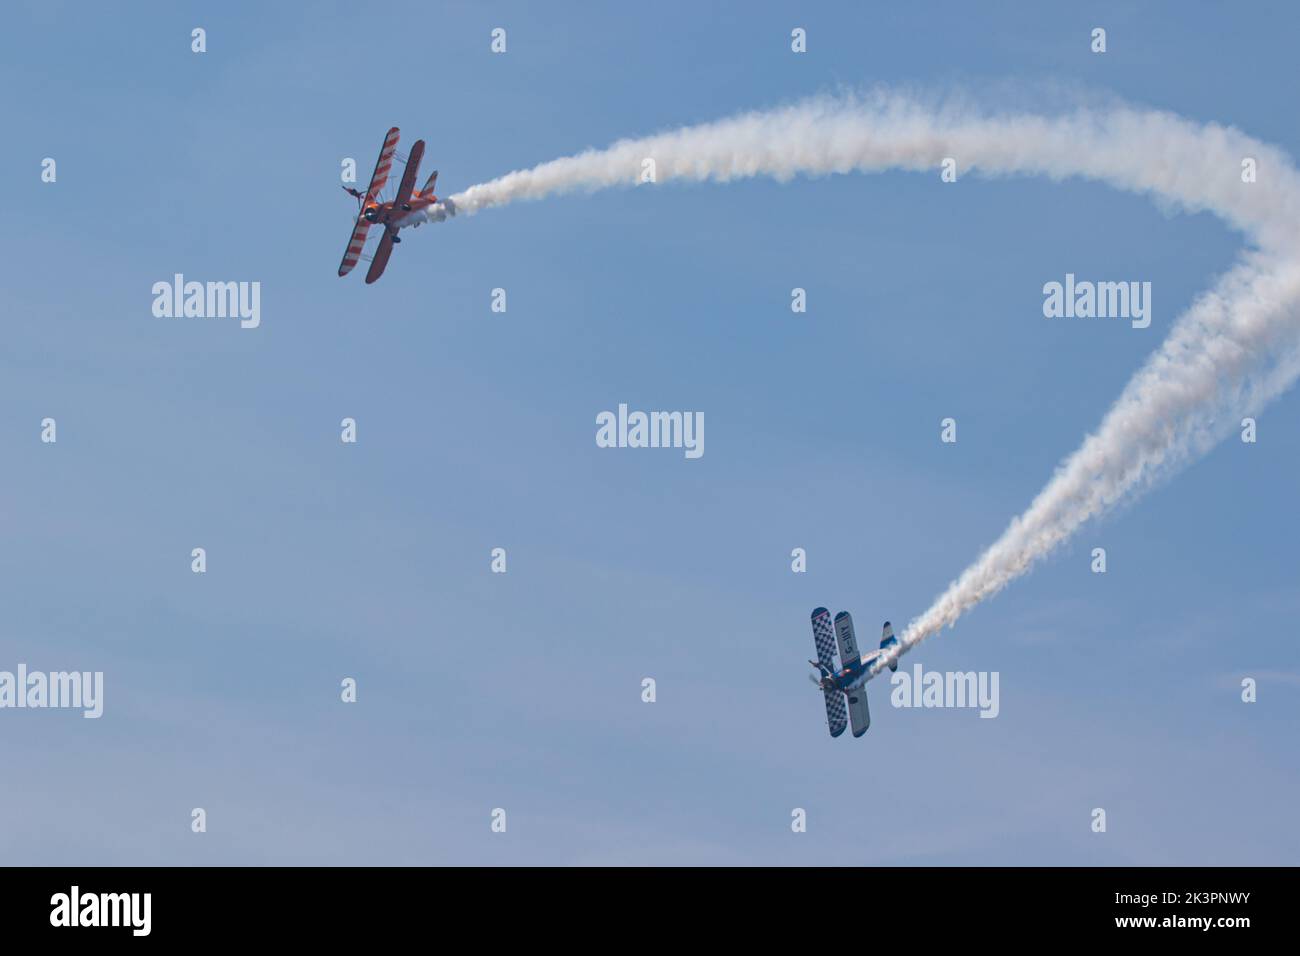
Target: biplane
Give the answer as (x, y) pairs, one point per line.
(406, 208)
(849, 682)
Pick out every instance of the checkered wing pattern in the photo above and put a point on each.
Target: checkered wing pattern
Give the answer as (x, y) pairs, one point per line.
(824, 637)
(836, 720)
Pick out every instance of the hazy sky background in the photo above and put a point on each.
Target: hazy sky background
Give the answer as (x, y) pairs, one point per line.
(476, 430)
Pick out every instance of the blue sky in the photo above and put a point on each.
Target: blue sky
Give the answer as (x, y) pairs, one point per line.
(476, 431)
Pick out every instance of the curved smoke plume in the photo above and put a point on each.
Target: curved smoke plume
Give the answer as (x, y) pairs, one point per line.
(1236, 348)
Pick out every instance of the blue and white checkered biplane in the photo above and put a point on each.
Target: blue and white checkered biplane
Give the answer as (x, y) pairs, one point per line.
(846, 684)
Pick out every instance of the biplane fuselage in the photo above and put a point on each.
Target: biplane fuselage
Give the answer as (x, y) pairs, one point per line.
(411, 214)
(405, 209)
(853, 675)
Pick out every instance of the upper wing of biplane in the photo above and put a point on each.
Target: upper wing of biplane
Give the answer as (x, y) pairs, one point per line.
(823, 637)
(384, 164)
(377, 182)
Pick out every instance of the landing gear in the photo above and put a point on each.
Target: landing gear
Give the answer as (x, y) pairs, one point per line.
(396, 238)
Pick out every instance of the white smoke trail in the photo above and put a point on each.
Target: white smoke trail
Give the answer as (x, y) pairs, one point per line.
(1186, 164)
(1236, 348)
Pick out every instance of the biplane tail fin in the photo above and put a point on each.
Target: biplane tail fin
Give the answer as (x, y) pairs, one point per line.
(427, 191)
(888, 640)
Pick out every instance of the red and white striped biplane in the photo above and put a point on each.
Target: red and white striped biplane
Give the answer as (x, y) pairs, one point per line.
(404, 209)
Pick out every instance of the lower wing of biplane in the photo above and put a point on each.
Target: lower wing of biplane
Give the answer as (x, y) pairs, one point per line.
(859, 715)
